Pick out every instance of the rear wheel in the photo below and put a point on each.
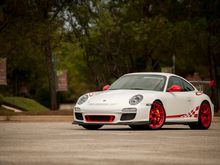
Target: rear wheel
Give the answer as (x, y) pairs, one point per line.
(157, 116)
(92, 126)
(205, 117)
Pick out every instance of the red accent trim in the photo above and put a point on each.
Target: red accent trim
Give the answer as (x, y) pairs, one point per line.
(175, 116)
(175, 88)
(196, 115)
(192, 113)
(211, 84)
(106, 118)
(106, 87)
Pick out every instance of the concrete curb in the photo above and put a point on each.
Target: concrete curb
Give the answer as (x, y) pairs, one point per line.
(37, 118)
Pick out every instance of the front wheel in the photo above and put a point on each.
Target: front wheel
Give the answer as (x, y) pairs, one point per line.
(92, 126)
(205, 117)
(157, 116)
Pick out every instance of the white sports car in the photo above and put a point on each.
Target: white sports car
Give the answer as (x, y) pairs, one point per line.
(145, 100)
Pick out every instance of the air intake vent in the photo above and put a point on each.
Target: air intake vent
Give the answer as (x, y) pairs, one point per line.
(79, 116)
(127, 116)
(99, 118)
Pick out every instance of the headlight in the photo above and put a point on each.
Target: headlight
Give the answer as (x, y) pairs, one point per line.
(136, 99)
(82, 99)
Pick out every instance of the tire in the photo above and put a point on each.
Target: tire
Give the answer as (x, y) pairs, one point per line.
(92, 126)
(205, 117)
(157, 116)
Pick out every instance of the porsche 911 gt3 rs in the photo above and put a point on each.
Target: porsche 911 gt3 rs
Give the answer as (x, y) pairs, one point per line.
(145, 100)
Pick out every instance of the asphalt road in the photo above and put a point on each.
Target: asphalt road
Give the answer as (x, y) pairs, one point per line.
(64, 143)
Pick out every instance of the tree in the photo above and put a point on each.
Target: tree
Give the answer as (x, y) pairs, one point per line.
(35, 22)
(109, 38)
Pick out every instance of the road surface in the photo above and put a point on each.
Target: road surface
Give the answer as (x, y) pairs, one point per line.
(63, 143)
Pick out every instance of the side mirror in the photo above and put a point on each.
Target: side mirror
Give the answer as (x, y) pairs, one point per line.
(106, 87)
(174, 88)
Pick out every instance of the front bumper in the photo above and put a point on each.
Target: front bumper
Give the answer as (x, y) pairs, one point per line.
(122, 116)
(118, 123)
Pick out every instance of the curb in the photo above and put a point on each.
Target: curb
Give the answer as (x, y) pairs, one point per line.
(37, 118)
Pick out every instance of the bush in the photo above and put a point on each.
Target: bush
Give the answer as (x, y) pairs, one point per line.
(43, 97)
(24, 104)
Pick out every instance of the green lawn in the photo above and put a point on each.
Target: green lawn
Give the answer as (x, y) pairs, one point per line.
(24, 104)
(29, 106)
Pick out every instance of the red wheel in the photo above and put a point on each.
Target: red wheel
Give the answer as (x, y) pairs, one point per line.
(157, 116)
(205, 117)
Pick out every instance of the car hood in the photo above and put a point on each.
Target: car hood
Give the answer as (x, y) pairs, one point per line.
(117, 96)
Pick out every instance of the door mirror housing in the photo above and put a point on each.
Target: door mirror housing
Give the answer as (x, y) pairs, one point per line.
(174, 88)
(106, 87)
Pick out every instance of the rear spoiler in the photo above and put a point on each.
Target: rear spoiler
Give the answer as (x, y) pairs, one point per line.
(203, 85)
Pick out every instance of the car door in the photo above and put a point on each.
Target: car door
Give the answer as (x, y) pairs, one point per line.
(178, 103)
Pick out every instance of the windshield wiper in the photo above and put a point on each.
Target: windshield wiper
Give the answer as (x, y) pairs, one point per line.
(127, 89)
(136, 88)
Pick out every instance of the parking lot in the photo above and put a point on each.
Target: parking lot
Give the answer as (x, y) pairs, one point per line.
(64, 143)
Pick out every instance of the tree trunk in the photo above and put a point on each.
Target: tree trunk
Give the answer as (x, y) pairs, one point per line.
(214, 76)
(51, 73)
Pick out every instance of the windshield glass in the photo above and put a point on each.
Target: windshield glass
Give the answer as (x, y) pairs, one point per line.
(140, 82)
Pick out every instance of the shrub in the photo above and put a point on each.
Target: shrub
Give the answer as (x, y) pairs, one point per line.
(24, 104)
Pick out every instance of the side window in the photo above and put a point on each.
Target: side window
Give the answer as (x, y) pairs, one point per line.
(178, 81)
(174, 81)
(187, 86)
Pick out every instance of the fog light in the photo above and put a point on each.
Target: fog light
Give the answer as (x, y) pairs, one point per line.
(130, 110)
(77, 109)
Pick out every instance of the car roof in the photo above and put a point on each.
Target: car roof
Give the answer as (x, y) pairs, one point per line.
(159, 73)
(152, 73)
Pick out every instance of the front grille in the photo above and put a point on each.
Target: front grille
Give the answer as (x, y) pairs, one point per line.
(127, 116)
(79, 116)
(99, 118)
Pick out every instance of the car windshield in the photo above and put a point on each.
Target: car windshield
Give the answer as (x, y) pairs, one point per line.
(140, 82)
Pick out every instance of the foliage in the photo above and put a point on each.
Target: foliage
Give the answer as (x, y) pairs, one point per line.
(24, 104)
(98, 41)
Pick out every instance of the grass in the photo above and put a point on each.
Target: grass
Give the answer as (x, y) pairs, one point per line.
(29, 107)
(24, 104)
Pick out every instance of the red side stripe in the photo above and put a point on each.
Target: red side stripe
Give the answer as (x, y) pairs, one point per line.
(175, 116)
